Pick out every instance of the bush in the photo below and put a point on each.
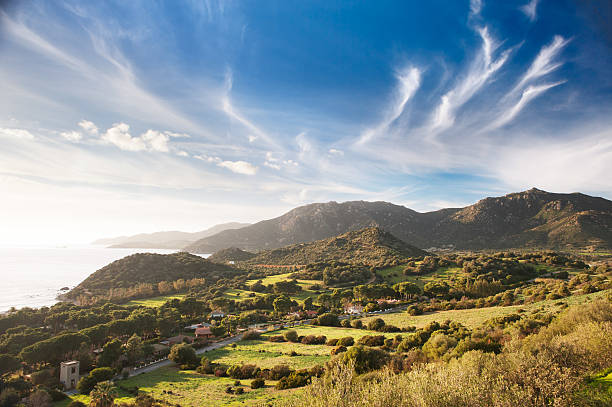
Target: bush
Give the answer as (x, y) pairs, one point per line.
(328, 319)
(243, 372)
(76, 403)
(258, 383)
(345, 323)
(251, 335)
(277, 338)
(314, 340)
(57, 395)
(183, 354)
(9, 398)
(332, 342)
(220, 372)
(101, 374)
(365, 359)
(357, 324)
(278, 372)
(239, 390)
(292, 381)
(291, 336)
(337, 350)
(376, 324)
(369, 340)
(346, 341)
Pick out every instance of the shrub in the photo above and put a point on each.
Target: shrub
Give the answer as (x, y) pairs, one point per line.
(251, 335)
(220, 372)
(376, 324)
(57, 395)
(332, 342)
(183, 354)
(258, 383)
(239, 390)
(9, 398)
(291, 335)
(101, 374)
(292, 381)
(338, 349)
(328, 319)
(76, 403)
(278, 372)
(277, 338)
(346, 341)
(369, 340)
(243, 372)
(345, 323)
(365, 359)
(314, 340)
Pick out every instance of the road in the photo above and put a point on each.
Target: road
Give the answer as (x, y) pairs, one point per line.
(167, 362)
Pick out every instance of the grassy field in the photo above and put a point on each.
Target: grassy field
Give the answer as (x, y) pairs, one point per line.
(190, 389)
(299, 297)
(395, 275)
(155, 302)
(477, 316)
(266, 354)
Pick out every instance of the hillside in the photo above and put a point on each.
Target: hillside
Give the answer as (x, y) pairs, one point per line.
(165, 240)
(370, 246)
(532, 218)
(149, 268)
(232, 254)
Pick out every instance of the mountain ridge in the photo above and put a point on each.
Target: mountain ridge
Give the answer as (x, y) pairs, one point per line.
(171, 239)
(532, 218)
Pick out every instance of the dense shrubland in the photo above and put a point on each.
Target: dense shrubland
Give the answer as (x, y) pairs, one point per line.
(547, 368)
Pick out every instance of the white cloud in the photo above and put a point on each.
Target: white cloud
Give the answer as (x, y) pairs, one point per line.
(182, 153)
(73, 136)
(89, 127)
(530, 9)
(408, 82)
(528, 94)
(336, 152)
(479, 73)
(239, 167)
(156, 140)
(475, 7)
(543, 64)
(16, 133)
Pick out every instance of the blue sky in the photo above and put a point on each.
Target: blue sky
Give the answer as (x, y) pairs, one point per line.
(125, 117)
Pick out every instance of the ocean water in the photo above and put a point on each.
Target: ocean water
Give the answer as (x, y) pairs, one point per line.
(33, 276)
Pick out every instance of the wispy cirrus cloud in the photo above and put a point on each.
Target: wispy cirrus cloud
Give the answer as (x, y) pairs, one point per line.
(475, 7)
(408, 82)
(478, 74)
(530, 9)
(530, 93)
(544, 63)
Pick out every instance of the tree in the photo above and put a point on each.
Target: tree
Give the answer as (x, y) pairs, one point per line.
(308, 303)
(8, 363)
(282, 304)
(101, 374)
(376, 324)
(436, 289)
(407, 289)
(134, 349)
(291, 335)
(103, 395)
(9, 398)
(39, 398)
(365, 359)
(328, 319)
(183, 354)
(111, 352)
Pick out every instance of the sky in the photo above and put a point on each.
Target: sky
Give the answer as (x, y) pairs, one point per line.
(126, 117)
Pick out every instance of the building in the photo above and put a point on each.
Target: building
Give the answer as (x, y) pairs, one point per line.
(176, 340)
(196, 326)
(69, 374)
(217, 314)
(203, 332)
(353, 309)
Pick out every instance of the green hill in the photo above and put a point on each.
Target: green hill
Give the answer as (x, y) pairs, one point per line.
(232, 254)
(149, 268)
(371, 246)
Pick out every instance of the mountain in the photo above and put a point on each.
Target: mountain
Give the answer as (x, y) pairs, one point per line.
(149, 268)
(165, 240)
(370, 246)
(532, 218)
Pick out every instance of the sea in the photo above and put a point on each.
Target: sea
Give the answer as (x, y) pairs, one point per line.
(34, 276)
